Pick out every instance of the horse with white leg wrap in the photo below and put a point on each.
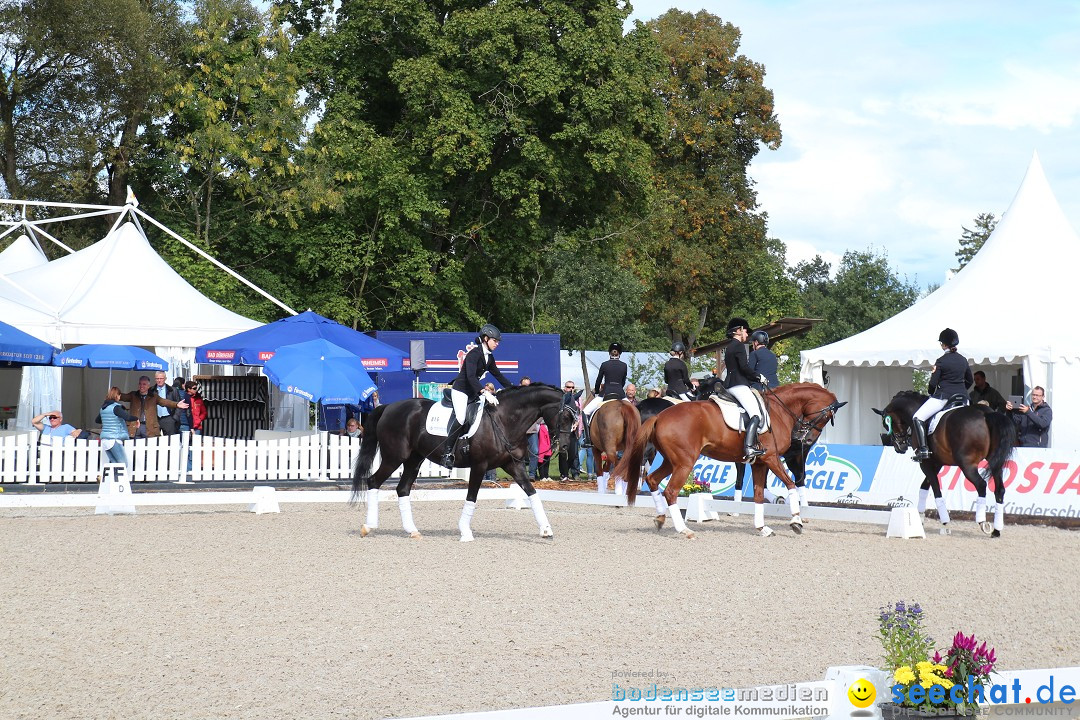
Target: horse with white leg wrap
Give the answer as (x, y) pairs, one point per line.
(399, 435)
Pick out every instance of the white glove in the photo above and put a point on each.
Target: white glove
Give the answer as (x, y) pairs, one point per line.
(490, 398)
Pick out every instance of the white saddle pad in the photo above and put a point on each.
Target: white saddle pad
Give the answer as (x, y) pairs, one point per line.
(438, 419)
(937, 418)
(734, 416)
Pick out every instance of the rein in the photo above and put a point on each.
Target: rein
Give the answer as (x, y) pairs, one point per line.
(802, 427)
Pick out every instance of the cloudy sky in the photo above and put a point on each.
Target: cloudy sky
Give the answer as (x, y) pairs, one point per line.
(902, 121)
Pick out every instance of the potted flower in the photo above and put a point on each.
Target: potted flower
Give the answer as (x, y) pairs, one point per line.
(693, 487)
(927, 686)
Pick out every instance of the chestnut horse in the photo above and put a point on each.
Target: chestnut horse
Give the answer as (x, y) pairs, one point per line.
(685, 431)
(963, 437)
(614, 428)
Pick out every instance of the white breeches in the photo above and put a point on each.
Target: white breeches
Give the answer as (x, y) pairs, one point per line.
(461, 404)
(746, 398)
(929, 409)
(591, 406)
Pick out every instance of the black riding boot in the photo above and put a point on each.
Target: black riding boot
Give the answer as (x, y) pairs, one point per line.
(922, 449)
(586, 435)
(750, 449)
(452, 436)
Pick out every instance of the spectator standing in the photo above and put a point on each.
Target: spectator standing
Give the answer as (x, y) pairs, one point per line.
(982, 393)
(543, 468)
(168, 418)
(569, 464)
(55, 425)
(145, 405)
(352, 428)
(631, 394)
(1032, 421)
(183, 416)
(198, 406)
(114, 418)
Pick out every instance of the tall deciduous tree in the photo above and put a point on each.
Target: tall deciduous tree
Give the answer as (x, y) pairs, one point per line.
(497, 125)
(710, 233)
(78, 81)
(971, 241)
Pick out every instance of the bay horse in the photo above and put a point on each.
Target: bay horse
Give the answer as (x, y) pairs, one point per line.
(614, 428)
(963, 437)
(396, 434)
(685, 431)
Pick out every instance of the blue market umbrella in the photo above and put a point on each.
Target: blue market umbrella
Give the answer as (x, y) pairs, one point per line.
(256, 346)
(20, 348)
(320, 371)
(124, 357)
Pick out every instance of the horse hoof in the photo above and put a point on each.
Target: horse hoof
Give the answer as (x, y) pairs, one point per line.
(689, 535)
(546, 532)
(466, 538)
(996, 533)
(986, 527)
(364, 531)
(765, 531)
(658, 521)
(796, 525)
(415, 535)
(944, 531)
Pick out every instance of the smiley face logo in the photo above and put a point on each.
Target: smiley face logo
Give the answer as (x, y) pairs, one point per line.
(861, 693)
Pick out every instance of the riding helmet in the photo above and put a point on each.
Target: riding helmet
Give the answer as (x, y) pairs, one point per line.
(736, 323)
(678, 347)
(490, 331)
(949, 337)
(760, 336)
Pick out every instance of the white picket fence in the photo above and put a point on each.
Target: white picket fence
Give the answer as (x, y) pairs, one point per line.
(319, 456)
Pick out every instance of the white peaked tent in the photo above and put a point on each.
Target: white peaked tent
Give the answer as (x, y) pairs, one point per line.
(20, 255)
(117, 291)
(1010, 305)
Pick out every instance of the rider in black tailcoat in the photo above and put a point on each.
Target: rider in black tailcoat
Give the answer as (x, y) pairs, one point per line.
(467, 386)
(676, 374)
(951, 376)
(609, 386)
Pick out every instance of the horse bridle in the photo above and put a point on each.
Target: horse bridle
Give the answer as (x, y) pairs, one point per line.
(556, 445)
(803, 426)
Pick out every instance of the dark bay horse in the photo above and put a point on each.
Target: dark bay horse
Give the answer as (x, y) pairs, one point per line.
(396, 435)
(614, 428)
(685, 431)
(964, 437)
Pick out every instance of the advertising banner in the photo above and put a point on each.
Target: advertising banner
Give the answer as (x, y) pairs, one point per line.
(1037, 481)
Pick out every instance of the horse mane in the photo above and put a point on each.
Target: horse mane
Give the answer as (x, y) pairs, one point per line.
(515, 389)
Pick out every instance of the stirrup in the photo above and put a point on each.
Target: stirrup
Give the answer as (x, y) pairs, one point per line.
(921, 454)
(751, 454)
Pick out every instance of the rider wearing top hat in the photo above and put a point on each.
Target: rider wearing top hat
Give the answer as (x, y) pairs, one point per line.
(609, 386)
(676, 374)
(467, 386)
(951, 376)
(739, 377)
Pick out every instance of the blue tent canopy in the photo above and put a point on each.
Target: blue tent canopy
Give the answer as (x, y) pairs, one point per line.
(110, 356)
(256, 346)
(21, 348)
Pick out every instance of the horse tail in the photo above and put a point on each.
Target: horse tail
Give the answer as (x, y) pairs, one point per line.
(630, 465)
(369, 446)
(1002, 438)
(631, 424)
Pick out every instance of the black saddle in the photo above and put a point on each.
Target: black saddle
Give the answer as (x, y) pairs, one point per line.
(724, 394)
(955, 401)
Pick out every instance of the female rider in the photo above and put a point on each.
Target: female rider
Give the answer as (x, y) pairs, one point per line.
(739, 377)
(676, 374)
(467, 387)
(951, 376)
(610, 379)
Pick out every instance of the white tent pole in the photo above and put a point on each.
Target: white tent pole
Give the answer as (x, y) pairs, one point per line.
(34, 229)
(224, 267)
(40, 203)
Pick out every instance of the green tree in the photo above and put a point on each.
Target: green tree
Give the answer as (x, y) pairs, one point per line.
(971, 241)
(710, 233)
(864, 292)
(498, 125)
(78, 81)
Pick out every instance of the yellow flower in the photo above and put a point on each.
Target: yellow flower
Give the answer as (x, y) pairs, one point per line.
(904, 675)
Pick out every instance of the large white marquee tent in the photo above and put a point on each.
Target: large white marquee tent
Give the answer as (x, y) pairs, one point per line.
(116, 291)
(1010, 306)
